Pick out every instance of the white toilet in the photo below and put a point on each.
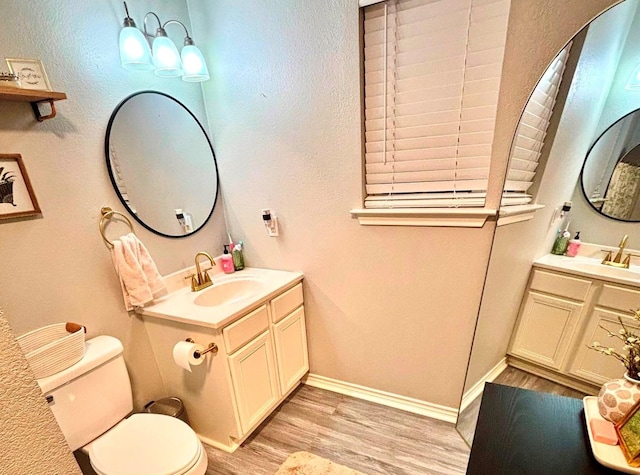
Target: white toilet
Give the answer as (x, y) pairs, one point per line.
(90, 401)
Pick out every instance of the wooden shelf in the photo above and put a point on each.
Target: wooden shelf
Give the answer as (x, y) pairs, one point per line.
(34, 97)
(29, 95)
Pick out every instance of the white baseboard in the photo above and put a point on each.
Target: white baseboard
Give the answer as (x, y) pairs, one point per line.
(476, 389)
(415, 406)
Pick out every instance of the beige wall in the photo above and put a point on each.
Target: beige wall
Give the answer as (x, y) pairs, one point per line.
(29, 433)
(57, 268)
(387, 307)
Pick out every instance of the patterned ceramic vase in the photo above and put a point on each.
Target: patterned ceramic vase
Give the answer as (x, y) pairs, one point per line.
(617, 397)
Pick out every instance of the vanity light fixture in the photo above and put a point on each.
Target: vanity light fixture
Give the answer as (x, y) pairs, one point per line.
(163, 56)
(135, 53)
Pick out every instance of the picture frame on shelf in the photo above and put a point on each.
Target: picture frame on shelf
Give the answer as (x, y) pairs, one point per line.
(17, 199)
(30, 72)
(628, 430)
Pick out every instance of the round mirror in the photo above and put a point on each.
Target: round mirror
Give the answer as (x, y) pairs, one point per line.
(611, 172)
(161, 164)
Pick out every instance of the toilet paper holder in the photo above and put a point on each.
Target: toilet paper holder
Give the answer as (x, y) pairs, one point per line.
(212, 348)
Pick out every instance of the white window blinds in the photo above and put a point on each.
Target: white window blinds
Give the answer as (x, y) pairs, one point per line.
(432, 74)
(531, 133)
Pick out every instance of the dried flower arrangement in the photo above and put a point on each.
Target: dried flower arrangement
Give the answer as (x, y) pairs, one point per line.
(630, 355)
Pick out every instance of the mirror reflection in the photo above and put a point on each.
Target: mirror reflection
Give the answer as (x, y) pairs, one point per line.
(161, 164)
(589, 97)
(611, 173)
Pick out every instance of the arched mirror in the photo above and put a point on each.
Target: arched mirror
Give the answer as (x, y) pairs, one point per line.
(580, 96)
(611, 174)
(161, 164)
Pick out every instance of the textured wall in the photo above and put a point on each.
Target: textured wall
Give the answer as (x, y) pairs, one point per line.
(392, 308)
(31, 441)
(57, 268)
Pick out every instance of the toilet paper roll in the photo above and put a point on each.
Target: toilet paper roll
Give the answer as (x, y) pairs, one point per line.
(184, 354)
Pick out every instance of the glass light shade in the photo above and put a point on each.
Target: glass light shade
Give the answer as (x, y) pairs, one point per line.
(134, 50)
(166, 58)
(634, 80)
(193, 64)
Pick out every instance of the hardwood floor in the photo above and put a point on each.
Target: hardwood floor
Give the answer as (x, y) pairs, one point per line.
(370, 438)
(364, 436)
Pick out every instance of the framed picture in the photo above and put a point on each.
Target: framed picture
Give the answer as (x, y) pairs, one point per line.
(628, 430)
(30, 73)
(17, 199)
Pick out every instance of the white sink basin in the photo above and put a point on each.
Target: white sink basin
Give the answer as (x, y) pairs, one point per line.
(228, 291)
(590, 267)
(230, 296)
(601, 269)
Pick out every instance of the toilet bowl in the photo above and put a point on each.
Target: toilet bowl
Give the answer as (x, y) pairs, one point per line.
(151, 444)
(91, 401)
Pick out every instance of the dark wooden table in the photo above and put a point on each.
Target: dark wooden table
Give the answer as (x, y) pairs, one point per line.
(527, 432)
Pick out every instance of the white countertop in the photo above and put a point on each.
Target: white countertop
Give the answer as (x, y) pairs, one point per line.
(590, 267)
(179, 305)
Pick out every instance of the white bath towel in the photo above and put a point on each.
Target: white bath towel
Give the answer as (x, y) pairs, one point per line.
(139, 277)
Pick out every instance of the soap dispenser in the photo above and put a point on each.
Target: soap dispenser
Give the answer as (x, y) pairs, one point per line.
(238, 257)
(574, 246)
(227, 261)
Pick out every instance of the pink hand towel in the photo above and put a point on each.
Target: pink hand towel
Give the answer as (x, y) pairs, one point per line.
(140, 280)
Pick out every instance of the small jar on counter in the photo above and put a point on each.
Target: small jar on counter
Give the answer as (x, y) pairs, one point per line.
(9, 80)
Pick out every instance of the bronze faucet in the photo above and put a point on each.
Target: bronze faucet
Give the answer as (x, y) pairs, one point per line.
(201, 279)
(617, 261)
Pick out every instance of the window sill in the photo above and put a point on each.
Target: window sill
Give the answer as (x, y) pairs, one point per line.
(517, 214)
(430, 217)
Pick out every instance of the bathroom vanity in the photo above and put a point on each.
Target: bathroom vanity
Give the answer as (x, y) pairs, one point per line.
(565, 306)
(256, 319)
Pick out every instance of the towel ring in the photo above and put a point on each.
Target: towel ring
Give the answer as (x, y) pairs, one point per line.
(107, 214)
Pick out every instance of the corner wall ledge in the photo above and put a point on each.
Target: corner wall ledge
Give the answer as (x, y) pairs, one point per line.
(430, 217)
(517, 214)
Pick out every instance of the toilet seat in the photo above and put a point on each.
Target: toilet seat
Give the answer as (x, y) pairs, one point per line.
(149, 444)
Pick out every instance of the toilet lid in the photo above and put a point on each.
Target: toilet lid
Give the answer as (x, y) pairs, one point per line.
(149, 444)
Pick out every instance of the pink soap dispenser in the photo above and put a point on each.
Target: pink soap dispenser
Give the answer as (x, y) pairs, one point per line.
(574, 246)
(227, 261)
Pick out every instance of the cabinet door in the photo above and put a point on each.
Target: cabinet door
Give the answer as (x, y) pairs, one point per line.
(291, 349)
(544, 330)
(254, 380)
(592, 365)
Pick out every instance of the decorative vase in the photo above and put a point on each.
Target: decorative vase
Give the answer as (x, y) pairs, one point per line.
(617, 397)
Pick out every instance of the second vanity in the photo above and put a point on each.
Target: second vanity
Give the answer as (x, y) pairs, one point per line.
(256, 320)
(566, 303)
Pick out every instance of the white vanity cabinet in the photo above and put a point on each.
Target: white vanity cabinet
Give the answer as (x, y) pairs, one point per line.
(548, 318)
(561, 314)
(267, 355)
(610, 303)
(262, 356)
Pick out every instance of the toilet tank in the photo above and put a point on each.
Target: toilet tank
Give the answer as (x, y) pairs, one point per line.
(93, 395)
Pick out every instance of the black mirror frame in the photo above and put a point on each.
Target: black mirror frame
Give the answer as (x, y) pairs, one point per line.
(584, 192)
(113, 180)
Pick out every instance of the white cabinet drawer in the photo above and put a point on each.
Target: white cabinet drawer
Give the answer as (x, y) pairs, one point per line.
(284, 304)
(248, 327)
(562, 285)
(619, 298)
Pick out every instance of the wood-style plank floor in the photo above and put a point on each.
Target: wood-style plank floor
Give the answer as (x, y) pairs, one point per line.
(364, 436)
(368, 437)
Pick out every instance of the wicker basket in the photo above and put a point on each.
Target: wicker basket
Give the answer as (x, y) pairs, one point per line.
(53, 348)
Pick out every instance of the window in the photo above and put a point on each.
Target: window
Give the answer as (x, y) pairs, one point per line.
(431, 78)
(531, 133)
